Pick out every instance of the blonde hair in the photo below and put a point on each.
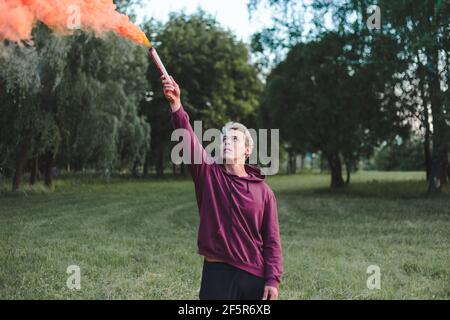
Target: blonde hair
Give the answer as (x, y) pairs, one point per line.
(240, 127)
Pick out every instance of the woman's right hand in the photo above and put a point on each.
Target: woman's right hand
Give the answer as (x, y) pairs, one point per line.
(172, 92)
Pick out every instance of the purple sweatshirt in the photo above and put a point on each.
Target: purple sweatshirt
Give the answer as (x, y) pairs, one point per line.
(238, 215)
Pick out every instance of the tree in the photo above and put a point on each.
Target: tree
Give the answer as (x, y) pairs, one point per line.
(20, 87)
(128, 6)
(217, 80)
(419, 28)
(327, 92)
(105, 82)
(423, 29)
(72, 100)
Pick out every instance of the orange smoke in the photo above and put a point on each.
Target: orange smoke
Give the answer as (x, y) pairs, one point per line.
(17, 18)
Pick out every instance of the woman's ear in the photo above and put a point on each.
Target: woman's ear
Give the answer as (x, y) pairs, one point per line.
(247, 152)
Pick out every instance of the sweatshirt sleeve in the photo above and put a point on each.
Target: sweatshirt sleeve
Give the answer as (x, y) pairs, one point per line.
(198, 157)
(273, 259)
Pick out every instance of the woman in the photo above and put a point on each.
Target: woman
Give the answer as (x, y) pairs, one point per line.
(238, 233)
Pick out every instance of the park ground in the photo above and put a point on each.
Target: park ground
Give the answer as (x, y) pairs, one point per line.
(136, 239)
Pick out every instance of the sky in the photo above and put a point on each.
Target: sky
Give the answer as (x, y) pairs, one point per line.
(232, 14)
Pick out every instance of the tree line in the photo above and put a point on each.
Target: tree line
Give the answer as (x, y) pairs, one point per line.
(81, 102)
(346, 87)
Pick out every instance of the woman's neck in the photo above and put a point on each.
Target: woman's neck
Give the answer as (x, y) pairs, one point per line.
(236, 169)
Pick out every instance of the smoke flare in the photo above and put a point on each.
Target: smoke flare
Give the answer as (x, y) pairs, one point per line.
(17, 18)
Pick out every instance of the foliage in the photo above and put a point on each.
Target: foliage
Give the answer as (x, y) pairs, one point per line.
(218, 82)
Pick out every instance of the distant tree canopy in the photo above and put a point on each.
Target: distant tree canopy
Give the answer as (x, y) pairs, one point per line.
(400, 156)
(343, 90)
(218, 82)
(330, 95)
(127, 6)
(81, 102)
(408, 52)
(72, 101)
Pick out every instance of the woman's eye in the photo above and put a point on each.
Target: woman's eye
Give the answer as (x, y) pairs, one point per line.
(235, 139)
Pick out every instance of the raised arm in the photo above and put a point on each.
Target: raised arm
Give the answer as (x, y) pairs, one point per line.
(199, 159)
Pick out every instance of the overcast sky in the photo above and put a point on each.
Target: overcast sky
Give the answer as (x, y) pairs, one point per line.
(232, 14)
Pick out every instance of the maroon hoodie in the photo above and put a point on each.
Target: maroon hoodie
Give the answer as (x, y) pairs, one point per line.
(238, 215)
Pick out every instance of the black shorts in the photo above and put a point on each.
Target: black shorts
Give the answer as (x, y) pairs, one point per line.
(221, 281)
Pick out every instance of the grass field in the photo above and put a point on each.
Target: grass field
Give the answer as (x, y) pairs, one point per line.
(137, 239)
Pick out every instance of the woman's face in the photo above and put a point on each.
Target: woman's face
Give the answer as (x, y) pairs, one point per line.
(234, 150)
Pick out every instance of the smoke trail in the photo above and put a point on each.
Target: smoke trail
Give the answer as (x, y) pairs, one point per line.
(17, 18)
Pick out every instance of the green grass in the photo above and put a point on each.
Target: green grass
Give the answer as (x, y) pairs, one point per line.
(137, 239)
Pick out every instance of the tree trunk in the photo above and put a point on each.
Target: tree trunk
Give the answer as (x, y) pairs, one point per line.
(77, 166)
(335, 164)
(34, 170)
(145, 171)
(426, 146)
(146, 165)
(439, 165)
(425, 118)
(348, 168)
(48, 176)
(323, 163)
(292, 166)
(134, 170)
(439, 158)
(174, 169)
(160, 162)
(301, 162)
(21, 160)
(439, 172)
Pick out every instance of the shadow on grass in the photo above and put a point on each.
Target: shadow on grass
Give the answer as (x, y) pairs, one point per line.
(80, 180)
(409, 189)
